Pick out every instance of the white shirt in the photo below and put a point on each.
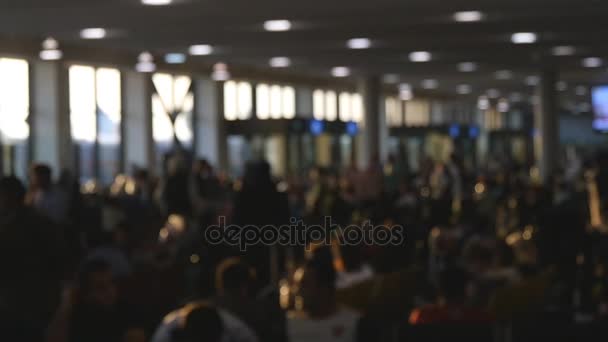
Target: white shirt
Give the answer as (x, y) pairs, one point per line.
(340, 327)
(234, 329)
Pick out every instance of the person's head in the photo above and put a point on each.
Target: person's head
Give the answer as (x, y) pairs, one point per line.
(40, 176)
(202, 323)
(257, 175)
(453, 283)
(12, 194)
(234, 278)
(202, 167)
(317, 284)
(97, 285)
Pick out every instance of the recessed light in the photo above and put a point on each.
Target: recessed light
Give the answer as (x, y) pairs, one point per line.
(359, 43)
(524, 38)
(561, 86)
(592, 62)
(405, 92)
(220, 72)
(467, 67)
(483, 103)
(581, 90)
(563, 51)
(493, 93)
(429, 84)
(503, 105)
(279, 62)
(340, 71)
(145, 63)
(51, 55)
(93, 33)
(390, 78)
(200, 50)
(277, 25)
(156, 2)
(420, 56)
(464, 89)
(175, 58)
(468, 16)
(503, 75)
(532, 80)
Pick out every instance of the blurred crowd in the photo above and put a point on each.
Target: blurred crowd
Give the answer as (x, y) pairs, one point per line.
(489, 247)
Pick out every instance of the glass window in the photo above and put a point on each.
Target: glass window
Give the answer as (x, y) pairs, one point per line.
(172, 107)
(244, 101)
(331, 106)
(14, 111)
(345, 107)
(275, 102)
(263, 101)
(318, 102)
(95, 115)
(230, 101)
(289, 103)
(357, 108)
(237, 100)
(393, 112)
(417, 113)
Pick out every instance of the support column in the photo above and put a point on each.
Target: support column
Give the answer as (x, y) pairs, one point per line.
(211, 140)
(138, 142)
(546, 139)
(368, 140)
(50, 116)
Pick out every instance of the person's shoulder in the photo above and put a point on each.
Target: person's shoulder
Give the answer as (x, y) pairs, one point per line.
(236, 330)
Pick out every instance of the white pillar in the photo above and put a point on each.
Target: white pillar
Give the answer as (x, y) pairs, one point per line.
(211, 142)
(547, 125)
(138, 143)
(49, 117)
(368, 140)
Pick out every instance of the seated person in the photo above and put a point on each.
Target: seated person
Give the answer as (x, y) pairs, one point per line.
(319, 318)
(92, 312)
(451, 303)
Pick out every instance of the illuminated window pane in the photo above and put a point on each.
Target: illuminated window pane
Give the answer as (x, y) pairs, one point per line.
(318, 102)
(181, 89)
(417, 113)
(14, 100)
(230, 100)
(108, 100)
(82, 103)
(183, 122)
(357, 108)
(163, 83)
(262, 98)
(345, 107)
(289, 103)
(331, 106)
(244, 101)
(275, 102)
(161, 124)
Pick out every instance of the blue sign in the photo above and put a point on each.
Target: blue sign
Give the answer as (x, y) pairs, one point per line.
(352, 128)
(454, 130)
(316, 127)
(473, 132)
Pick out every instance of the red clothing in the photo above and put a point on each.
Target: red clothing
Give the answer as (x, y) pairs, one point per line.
(433, 314)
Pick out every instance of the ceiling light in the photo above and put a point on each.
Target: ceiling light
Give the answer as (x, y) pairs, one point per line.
(175, 58)
(405, 92)
(391, 78)
(503, 75)
(561, 86)
(468, 16)
(420, 56)
(145, 63)
(524, 38)
(50, 50)
(532, 80)
(467, 67)
(483, 103)
(563, 51)
(581, 90)
(493, 93)
(156, 2)
(592, 62)
(503, 105)
(359, 43)
(277, 25)
(464, 89)
(340, 71)
(430, 84)
(279, 62)
(200, 50)
(220, 72)
(93, 33)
